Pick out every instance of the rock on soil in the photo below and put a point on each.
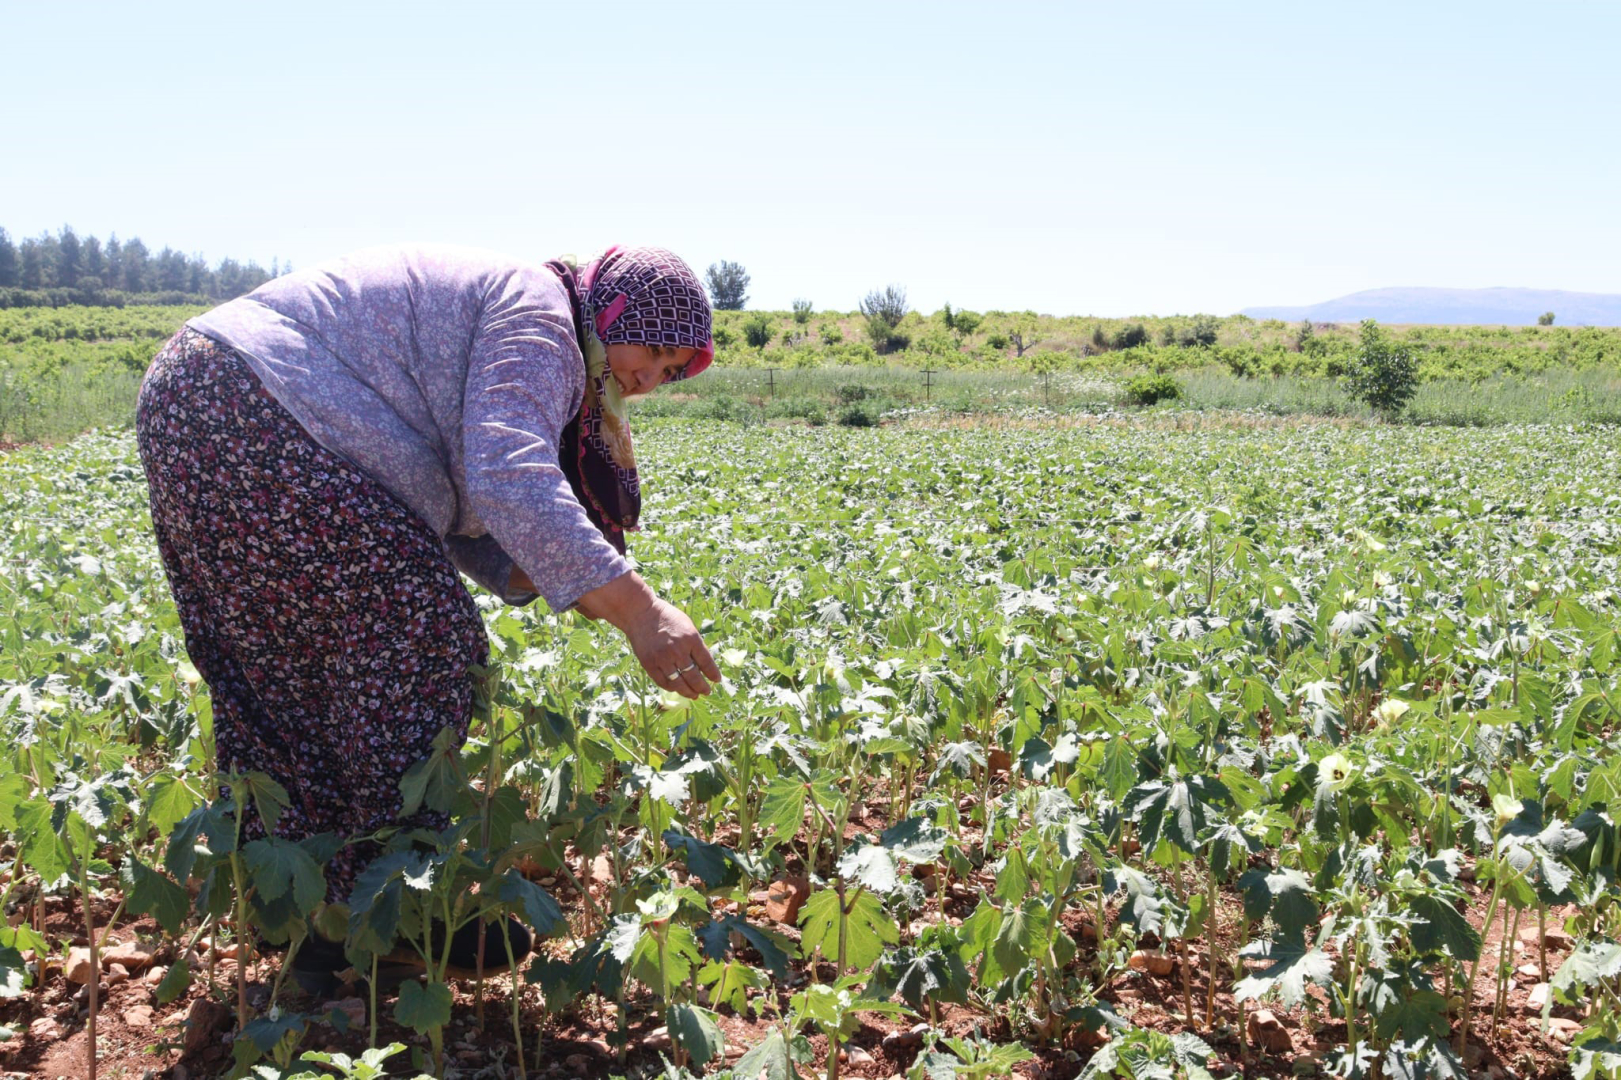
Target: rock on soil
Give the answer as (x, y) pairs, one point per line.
(77, 969)
(204, 1020)
(352, 1007)
(785, 898)
(1562, 1029)
(139, 1016)
(1267, 1032)
(1151, 962)
(1537, 998)
(130, 956)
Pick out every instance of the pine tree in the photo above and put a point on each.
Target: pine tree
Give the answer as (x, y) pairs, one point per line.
(8, 261)
(69, 258)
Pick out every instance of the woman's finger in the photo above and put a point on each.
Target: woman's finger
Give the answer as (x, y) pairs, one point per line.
(668, 674)
(693, 682)
(705, 662)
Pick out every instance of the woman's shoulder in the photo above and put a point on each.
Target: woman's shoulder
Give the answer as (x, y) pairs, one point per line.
(432, 263)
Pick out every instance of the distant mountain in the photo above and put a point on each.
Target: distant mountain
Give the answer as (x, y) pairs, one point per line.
(1490, 307)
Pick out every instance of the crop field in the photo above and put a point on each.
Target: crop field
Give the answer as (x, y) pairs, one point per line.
(1047, 748)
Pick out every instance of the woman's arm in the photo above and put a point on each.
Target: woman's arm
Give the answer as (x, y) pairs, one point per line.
(664, 640)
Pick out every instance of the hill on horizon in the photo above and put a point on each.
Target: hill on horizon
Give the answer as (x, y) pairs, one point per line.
(1480, 307)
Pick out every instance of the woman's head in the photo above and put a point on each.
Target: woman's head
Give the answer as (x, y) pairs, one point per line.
(652, 315)
(640, 369)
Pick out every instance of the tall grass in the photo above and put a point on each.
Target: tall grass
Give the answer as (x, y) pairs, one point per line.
(57, 401)
(61, 403)
(1563, 397)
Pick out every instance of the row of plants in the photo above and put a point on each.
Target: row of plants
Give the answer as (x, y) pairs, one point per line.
(1021, 710)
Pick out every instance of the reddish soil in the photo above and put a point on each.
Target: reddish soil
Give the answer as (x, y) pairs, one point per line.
(189, 1039)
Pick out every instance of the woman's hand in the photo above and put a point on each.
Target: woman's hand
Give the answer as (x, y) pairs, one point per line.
(665, 641)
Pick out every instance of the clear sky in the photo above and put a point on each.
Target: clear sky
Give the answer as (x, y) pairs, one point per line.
(1071, 158)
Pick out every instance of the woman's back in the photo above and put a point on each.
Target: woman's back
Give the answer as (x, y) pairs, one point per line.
(371, 354)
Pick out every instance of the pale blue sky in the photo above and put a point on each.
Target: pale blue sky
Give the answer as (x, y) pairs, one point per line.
(1109, 159)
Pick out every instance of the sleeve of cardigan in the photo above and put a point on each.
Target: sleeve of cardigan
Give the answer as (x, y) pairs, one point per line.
(482, 559)
(524, 376)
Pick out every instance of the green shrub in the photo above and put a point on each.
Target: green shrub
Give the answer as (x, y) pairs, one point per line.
(1200, 333)
(1151, 388)
(884, 312)
(723, 336)
(808, 409)
(960, 322)
(997, 340)
(757, 329)
(1129, 336)
(886, 338)
(859, 414)
(831, 334)
(802, 311)
(1382, 375)
(849, 393)
(724, 407)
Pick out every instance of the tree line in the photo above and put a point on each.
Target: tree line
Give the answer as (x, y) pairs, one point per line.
(52, 270)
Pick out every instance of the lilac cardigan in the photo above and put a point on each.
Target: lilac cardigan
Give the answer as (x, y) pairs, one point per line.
(447, 374)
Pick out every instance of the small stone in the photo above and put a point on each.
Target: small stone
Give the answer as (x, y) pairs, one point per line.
(657, 1039)
(1473, 1055)
(1304, 1066)
(154, 975)
(1537, 998)
(602, 868)
(904, 1040)
(1152, 962)
(131, 957)
(77, 969)
(204, 1020)
(116, 973)
(578, 1064)
(858, 1056)
(1267, 1032)
(546, 883)
(1530, 971)
(45, 1029)
(138, 1016)
(1562, 1029)
(468, 1057)
(785, 897)
(352, 1007)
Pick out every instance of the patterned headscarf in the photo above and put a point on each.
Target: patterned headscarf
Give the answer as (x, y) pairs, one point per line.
(637, 296)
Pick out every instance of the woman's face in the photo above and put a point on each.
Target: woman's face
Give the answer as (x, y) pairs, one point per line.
(637, 369)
